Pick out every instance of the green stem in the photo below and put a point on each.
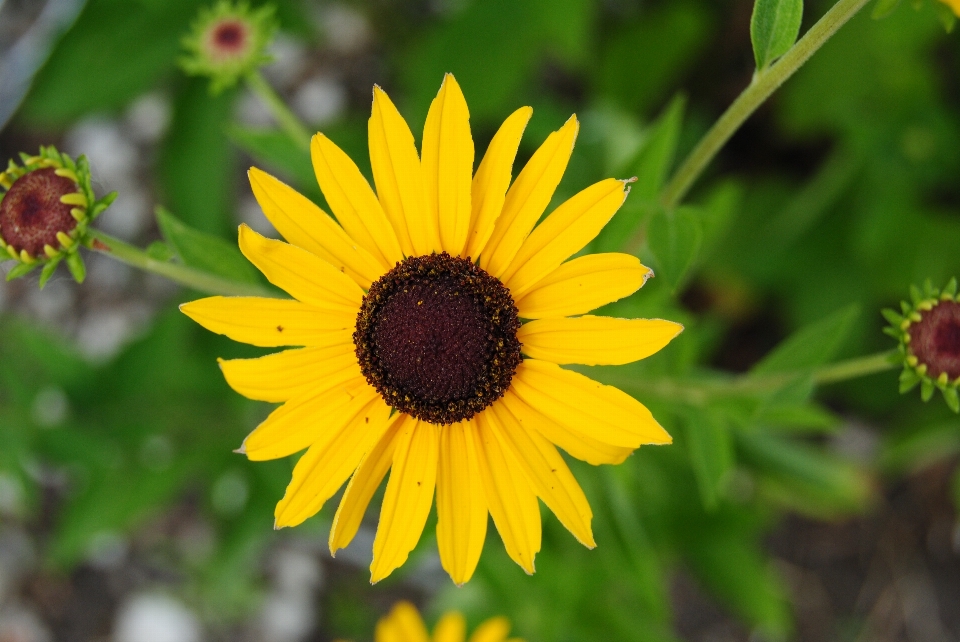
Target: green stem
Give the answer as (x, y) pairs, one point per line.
(288, 121)
(184, 275)
(764, 83)
(853, 368)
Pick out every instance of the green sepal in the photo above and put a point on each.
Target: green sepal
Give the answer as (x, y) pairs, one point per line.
(21, 269)
(49, 269)
(102, 204)
(926, 389)
(952, 398)
(908, 380)
(915, 295)
(77, 268)
(951, 287)
(892, 316)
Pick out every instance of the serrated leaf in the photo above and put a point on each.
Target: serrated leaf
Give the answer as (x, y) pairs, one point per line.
(811, 346)
(774, 27)
(674, 240)
(205, 251)
(711, 455)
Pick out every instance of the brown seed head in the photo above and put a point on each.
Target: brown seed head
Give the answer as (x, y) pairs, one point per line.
(31, 213)
(935, 339)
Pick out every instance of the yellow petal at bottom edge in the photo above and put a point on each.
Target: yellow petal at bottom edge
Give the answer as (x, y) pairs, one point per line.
(461, 504)
(402, 624)
(452, 627)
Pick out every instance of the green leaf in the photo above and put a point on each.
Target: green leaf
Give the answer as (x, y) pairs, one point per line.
(674, 240)
(711, 454)
(274, 150)
(774, 27)
(205, 251)
(883, 8)
(811, 346)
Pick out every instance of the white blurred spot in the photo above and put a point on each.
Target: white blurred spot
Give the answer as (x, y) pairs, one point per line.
(129, 216)
(148, 117)
(289, 61)
(17, 624)
(104, 331)
(53, 302)
(50, 407)
(252, 111)
(105, 274)
(252, 214)
(346, 29)
(856, 441)
(360, 551)
(113, 157)
(230, 493)
(320, 100)
(290, 611)
(17, 557)
(11, 494)
(107, 550)
(155, 618)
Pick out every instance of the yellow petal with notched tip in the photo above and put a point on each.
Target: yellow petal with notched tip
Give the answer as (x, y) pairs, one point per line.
(511, 500)
(353, 202)
(305, 421)
(490, 184)
(292, 373)
(447, 161)
(271, 323)
(528, 198)
(564, 233)
(596, 341)
(461, 505)
(304, 276)
(402, 624)
(572, 438)
(409, 496)
(324, 468)
(305, 225)
(573, 400)
(452, 627)
(583, 284)
(364, 483)
(397, 175)
(493, 630)
(548, 474)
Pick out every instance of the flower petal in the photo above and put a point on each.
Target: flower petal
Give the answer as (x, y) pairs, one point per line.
(324, 468)
(452, 627)
(547, 473)
(489, 189)
(493, 630)
(397, 174)
(580, 403)
(447, 159)
(529, 197)
(409, 496)
(305, 225)
(583, 284)
(461, 506)
(596, 341)
(402, 624)
(304, 276)
(292, 373)
(572, 439)
(564, 233)
(271, 322)
(363, 485)
(353, 202)
(307, 421)
(513, 504)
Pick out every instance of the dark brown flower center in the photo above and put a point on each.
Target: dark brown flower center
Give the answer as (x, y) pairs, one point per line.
(31, 213)
(229, 38)
(437, 337)
(935, 339)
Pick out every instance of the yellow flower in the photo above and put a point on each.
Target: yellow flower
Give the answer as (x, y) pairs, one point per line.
(404, 624)
(953, 4)
(415, 360)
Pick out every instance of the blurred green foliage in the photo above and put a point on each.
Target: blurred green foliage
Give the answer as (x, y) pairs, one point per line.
(851, 197)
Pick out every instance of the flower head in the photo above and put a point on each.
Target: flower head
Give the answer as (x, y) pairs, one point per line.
(46, 205)
(435, 316)
(929, 333)
(227, 41)
(403, 622)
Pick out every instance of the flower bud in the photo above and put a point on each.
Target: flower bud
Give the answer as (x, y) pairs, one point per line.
(929, 333)
(227, 41)
(46, 205)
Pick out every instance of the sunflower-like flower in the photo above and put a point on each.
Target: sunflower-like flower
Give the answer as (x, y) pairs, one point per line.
(929, 334)
(403, 623)
(46, 205)
(416, 361)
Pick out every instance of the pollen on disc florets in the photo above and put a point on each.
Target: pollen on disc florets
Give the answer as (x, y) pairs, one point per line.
(227, 41)
(437, 337)
(46, 204)
(929, 333)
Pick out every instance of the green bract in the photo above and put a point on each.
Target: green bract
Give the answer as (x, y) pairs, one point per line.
(924, 364)
(49, 206)
(228, 41)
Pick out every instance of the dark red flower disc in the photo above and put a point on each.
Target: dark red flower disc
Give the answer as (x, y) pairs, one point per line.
(31, 213)
(935, 339)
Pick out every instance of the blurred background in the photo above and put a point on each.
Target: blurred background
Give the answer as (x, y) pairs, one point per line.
(826, 515)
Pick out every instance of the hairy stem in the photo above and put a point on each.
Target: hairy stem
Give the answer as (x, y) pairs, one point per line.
(288, 121)
(183, 274)
(764, 83)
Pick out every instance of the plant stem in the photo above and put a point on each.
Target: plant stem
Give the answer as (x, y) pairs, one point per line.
(184, 275)
(288, 121)
(765, 82)
(853, 368)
